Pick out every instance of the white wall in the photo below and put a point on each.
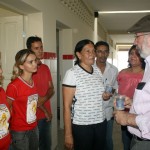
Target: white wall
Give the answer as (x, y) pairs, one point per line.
(33, 25)
(53, 10)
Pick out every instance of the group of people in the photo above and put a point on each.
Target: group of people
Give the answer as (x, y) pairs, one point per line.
(25, 110)
(89, 110)
(137, 119)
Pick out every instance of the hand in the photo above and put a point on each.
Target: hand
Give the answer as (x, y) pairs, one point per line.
(106, 96)
(41, 101)
(69, 142)
(127, 103)
(121, 117)
(48, 115)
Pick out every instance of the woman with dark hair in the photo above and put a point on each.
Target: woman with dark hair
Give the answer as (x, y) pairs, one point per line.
(128, 80)
(138, 55)
(84, 118)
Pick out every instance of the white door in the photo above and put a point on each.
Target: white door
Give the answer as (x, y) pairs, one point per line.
(11, 40)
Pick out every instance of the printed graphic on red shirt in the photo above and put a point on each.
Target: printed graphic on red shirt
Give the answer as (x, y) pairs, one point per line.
(4, 117)
(31, 108)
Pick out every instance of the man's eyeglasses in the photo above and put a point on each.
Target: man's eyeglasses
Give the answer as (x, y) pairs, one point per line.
(136, 36)
(102, 52)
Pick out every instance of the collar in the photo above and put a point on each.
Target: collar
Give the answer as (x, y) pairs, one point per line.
(147, 59)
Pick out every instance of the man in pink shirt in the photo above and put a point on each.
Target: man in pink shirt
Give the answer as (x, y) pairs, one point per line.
(138, 119)
(43, 81)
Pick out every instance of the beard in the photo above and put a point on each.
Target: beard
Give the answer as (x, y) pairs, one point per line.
(144, 51)
(140, 52)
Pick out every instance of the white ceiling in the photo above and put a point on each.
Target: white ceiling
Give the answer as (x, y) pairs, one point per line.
(6, 13)
(18, 6)
(117, 24)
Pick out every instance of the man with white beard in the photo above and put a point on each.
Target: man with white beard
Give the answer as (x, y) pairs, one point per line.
(138, 118)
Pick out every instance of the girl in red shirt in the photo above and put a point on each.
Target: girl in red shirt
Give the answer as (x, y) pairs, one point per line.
(4, 118)
(22, 97)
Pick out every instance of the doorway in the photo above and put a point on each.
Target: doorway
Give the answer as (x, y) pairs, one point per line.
(60, 44)
(122, 56)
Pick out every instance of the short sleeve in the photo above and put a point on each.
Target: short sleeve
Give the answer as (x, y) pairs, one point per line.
(69, 79)
(11, 92)
(118, 78)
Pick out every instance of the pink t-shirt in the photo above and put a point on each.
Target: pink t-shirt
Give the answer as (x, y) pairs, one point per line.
(127, 82)
(41, 79)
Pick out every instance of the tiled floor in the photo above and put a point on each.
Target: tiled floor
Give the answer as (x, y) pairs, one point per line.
(60, 140)
(116, 138)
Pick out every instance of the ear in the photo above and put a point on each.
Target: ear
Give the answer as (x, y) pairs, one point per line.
(78, 55)
(21, 67)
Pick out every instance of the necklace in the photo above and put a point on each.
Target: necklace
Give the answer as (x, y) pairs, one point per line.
(30, 82)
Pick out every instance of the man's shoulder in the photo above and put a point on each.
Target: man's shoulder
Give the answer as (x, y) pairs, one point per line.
(43, 70)
(112, 66)
(43, 67)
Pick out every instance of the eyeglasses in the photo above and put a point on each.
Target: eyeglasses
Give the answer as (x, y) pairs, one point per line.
(136, 36)
(102, 52)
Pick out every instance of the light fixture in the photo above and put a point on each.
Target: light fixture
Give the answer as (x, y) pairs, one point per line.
(96, 14)
(123, 12)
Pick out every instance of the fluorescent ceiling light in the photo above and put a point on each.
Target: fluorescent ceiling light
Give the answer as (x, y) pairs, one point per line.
(123, 12)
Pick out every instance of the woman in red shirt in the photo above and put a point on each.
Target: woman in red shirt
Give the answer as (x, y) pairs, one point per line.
(22, 97)
(4, 118)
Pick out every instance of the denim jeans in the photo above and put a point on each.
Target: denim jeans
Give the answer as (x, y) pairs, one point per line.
(44, 134)
(109, 140)
(25, 140)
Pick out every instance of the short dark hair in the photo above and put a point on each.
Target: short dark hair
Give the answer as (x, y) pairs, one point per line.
(79, 47)
(100, 43)
(31, 40)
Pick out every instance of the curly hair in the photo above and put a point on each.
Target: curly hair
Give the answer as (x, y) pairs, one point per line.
(138, 55)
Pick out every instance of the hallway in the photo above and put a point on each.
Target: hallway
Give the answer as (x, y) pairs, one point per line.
(116, 138)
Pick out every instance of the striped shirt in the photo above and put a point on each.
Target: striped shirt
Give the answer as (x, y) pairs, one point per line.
(87, 106)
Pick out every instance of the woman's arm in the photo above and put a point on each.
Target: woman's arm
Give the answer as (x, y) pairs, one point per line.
(68, 94)
(9, 104)
(50, 92)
